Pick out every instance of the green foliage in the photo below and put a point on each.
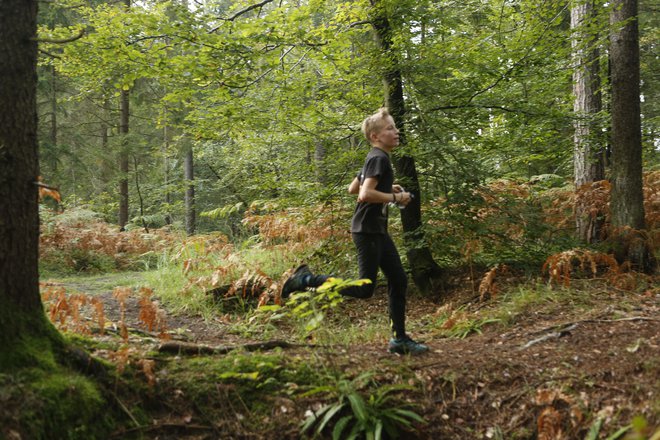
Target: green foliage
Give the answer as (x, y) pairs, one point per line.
(73, 261)
(271, 101)
(638, 429)
(310, 308)
(458, 324)
(374, 414)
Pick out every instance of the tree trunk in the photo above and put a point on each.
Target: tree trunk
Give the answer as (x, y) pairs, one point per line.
(627, 200)
(166, 171)
(190, 190)
(589, 151)
(424, 268)
(123, 161)
(319, 160)
(25, 334)
(53, 113)
(106, 168)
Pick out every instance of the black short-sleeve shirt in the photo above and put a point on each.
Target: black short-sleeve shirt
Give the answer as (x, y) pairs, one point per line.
(371, 218)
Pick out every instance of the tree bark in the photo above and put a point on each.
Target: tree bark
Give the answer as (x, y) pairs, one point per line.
(123, 154)
(319, 160)
(188, 166)
(123, 160)
(22, 320)
(166, 172)
(53, 113)
(627, 200)
(425, 270)
(589, 151)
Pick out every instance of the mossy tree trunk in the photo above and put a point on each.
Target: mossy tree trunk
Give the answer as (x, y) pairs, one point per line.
(25, 333)
(627, 199)
(424, 268)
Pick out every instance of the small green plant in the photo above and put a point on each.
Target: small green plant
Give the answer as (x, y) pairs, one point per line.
(354, 416)
(310, 307)
(466, 327)
(458, 324)
(638, 429)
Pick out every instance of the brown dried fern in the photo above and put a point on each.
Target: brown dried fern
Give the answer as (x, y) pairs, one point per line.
(487, 285)
(560, 267)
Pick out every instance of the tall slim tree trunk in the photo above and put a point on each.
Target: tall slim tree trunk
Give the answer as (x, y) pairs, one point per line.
(105, 170)
(424, 268)
(589, 148)
(166, 171)
(22, 320)
(123, 154)
(190, 189)
(123, 160)
(53, 113)
(627, 199)
(319, 160)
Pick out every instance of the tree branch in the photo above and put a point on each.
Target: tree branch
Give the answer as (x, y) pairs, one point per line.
(468, 105)
(241, 12)
(248, 9)
(63, 41)
(52, 55)
(359, 23)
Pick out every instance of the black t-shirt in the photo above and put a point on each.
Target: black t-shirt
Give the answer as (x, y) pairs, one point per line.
(371, 218)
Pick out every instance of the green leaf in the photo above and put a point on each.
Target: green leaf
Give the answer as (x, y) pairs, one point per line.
(619, 433)
(410, 414)
(339, 427)
(236, 375)
(594, 430)
(358, 406)
(378, 433)
(329, 415)
(311, 420)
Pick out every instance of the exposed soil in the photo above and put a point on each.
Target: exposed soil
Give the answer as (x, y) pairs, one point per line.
(550, 374)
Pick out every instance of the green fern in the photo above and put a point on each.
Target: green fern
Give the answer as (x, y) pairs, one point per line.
(355, 416)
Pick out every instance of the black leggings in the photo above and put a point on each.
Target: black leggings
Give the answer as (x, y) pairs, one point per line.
(376, 251)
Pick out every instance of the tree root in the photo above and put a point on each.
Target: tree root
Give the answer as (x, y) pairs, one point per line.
(195, 349)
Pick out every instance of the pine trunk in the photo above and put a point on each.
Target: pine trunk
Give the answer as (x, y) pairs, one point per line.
(188, 166)
(588, 153)
(123, 160)
(627, 200)
(22, 320)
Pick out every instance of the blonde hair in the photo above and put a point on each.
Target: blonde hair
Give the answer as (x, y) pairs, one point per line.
(374, 123)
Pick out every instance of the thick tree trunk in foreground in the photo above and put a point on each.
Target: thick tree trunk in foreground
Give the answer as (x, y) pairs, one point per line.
(627, 199)
(424, 268)
(23, 325)
(589, 151)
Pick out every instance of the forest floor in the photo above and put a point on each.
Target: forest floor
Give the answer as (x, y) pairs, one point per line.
(579, 363)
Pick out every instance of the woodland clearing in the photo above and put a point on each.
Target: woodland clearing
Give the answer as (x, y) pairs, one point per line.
(534, 361)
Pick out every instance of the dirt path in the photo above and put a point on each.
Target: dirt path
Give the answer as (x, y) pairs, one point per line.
(181, 327)
(567, 366)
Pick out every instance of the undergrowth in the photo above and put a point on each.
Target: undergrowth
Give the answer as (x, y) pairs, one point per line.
(238, 284)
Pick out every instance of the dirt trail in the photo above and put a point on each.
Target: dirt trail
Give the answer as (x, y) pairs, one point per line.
(572, 366)
(181, 327)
